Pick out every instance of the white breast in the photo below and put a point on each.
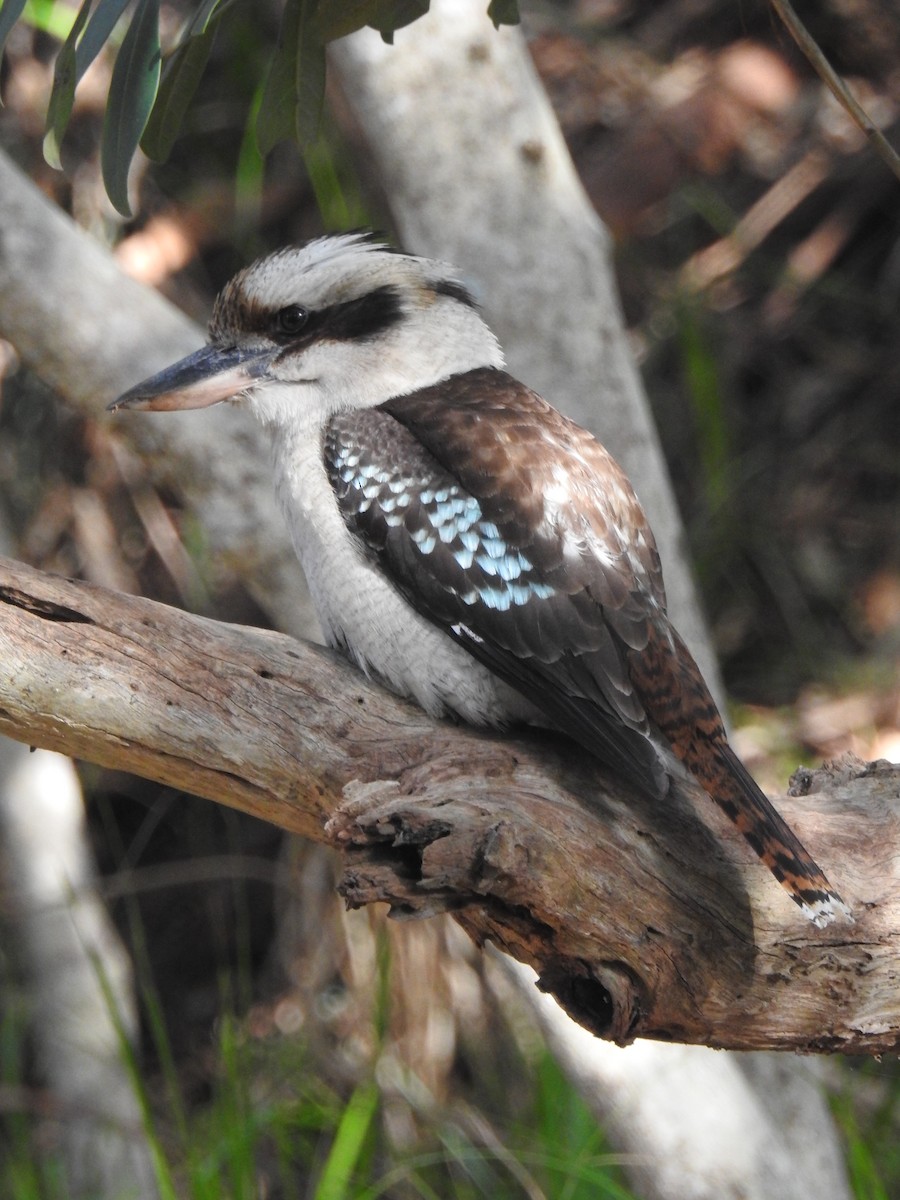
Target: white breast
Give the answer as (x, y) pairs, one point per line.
(360, 609)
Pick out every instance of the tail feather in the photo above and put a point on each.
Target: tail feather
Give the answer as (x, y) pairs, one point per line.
(740, 798)
(679, 703)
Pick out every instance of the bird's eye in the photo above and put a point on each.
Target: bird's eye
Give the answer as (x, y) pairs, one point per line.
(290, 320)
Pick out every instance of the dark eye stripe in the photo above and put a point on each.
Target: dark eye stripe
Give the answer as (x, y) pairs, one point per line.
(353, 320)
(359, 319)
(456, 291)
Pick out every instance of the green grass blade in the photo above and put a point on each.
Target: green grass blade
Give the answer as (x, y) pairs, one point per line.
(132, 90)
(236, 1117)
(151, 1003)
(705, 393)
(865, 1179)
(347, 1147)
(165, 1182)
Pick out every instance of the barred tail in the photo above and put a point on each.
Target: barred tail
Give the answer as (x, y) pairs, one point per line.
(742, 801)
(678, 701)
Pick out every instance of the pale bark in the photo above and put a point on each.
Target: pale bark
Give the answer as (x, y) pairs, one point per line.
(78, 974)
(527, 843)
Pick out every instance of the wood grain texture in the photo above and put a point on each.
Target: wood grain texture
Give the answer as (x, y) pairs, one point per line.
(643, 919)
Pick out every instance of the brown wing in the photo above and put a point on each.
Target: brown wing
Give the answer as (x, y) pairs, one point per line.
(547, 592)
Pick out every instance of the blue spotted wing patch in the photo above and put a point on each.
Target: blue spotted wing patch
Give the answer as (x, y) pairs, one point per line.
(457, 565)
(407, 491)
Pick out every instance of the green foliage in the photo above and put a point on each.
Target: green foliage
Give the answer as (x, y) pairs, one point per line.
(704, 389)
(98, 31)
(295, 85)
(270, 1124)
(504, 12)
(180, 80)
(336, 19)
(132, 91)
(10, 12)
(865, 1178)
(354, 1129)
(148, 99)
(337, 192)
(562, 1142)
(65, 80)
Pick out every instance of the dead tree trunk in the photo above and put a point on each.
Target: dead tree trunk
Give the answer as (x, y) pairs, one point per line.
(642, 921)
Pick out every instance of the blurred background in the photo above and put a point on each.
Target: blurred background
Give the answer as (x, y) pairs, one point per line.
(757, 242)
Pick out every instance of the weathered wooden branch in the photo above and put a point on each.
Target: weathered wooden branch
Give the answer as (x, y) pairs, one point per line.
(642, 920)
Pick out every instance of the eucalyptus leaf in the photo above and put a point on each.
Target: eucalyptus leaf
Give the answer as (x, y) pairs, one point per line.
(310, 80)
(203, 16)
(10, 11)
(504, 12)
(62, 94)
(249, 176)
(208, 9)
(275, 120)
(338, 18)
(394, 14)
(180, 78)
(97, 33)
(295, 86)
(132, 90)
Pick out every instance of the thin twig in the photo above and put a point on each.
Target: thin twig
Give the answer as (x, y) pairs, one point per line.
(836, 85)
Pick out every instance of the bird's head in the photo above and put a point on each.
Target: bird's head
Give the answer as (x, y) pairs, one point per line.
(342, 322)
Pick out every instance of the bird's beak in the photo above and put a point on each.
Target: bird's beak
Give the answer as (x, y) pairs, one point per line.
(206, 377)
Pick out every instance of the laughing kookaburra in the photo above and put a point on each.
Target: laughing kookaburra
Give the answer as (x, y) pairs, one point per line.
(464, 542)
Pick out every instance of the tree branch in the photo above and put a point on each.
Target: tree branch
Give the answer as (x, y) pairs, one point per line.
(639, 919)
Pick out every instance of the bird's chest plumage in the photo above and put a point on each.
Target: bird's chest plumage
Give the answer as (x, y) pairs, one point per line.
(360, 608)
